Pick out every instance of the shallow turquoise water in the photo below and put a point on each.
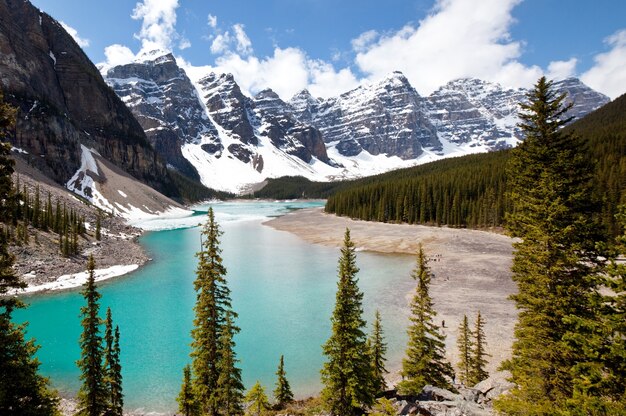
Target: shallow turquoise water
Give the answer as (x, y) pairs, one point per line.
(283, 289)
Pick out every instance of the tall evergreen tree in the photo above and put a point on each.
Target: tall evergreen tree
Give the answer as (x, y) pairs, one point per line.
(556, 258)
(186, 401)
(378, 349)
(347, 373)
(425, 361)
(257, 400)
(92, 396)
(478, 363)
(23, 391)
(112, 368)
(229, 391)
(465, 345)
(282, 393)
(213, 304)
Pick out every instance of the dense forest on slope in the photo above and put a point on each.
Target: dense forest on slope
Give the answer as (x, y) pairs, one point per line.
(469, 191)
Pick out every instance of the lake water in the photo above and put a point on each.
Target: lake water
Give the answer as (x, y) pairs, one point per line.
(283, 289)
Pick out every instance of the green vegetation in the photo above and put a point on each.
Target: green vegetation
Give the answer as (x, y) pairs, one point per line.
(92, 395)
(425, 361)
(112, 367)
(347, 375)
(465, 344)
(478, 363)
(216, 381)
(556, 261)
(282, 393)
(377, 351)
(257, 400)
(469, 191)
(25, 391)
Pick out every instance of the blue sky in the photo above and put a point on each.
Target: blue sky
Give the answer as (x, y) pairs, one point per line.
(331, 46)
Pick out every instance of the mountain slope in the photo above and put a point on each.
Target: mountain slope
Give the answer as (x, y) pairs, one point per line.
(63, 103)
(241, 141)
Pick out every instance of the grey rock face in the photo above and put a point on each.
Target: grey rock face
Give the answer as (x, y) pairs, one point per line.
(471, 110)
(384, 118)
(285, 131)
(166, 104)
(584, 99)
(64, 101)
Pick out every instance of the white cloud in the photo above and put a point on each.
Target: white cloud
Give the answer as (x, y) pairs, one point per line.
(212, 20)
(184, 44)
(244, 45)
(287, 72)
(559, 70)
(158, 24)
(364, 40)
(608, 75)
(458, 38)
(116, 55)
(221, 43)
(83, 43)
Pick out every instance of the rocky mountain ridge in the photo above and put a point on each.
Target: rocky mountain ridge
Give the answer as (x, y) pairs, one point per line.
(370, 129)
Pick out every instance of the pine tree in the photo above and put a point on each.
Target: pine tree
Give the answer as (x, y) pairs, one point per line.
(229, 391)
(347, 373)
(378, 349)
(556, 261)
(478, 353)
(465, 345)
(112, 368)
(213, 304)
(186, 400)
(282, 393)
(22, 389)
(425, 361)
(257, 400)
(92, 396)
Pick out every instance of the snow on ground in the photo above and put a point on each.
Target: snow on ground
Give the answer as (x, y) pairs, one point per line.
(170, 219)
(83, 184)
(69, 281)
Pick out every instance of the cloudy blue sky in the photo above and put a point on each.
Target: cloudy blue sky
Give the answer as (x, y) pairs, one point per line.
(331, 46)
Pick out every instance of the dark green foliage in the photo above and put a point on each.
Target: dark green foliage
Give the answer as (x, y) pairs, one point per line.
(112, 368)
(557, 258)
(282, 393)
(213, 329)
(377, 350)
(460, 192)
(465, 344)
(22, 390)
(188, 190)
(257, 400)
(478, 361)
(229, 391)
(186, 401)
(425, 361)
(346, 374)
(469, 191)
(92, 396)
(295, 187)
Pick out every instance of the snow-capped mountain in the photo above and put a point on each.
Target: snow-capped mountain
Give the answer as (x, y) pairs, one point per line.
(209, 129)
(383, 118)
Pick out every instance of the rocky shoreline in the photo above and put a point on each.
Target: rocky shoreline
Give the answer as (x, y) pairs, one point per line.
(40, 263)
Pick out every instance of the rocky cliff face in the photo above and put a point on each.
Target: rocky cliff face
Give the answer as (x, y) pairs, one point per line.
(384, 118)
(231, 139)
(165, 103)
(63, 101)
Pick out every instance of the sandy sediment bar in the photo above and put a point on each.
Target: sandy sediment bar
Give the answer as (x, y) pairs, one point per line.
(471, 268)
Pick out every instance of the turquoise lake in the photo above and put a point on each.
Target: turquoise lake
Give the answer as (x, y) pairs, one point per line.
(283, 289)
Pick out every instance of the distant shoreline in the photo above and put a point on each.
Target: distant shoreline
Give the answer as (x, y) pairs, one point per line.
(471, 268)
